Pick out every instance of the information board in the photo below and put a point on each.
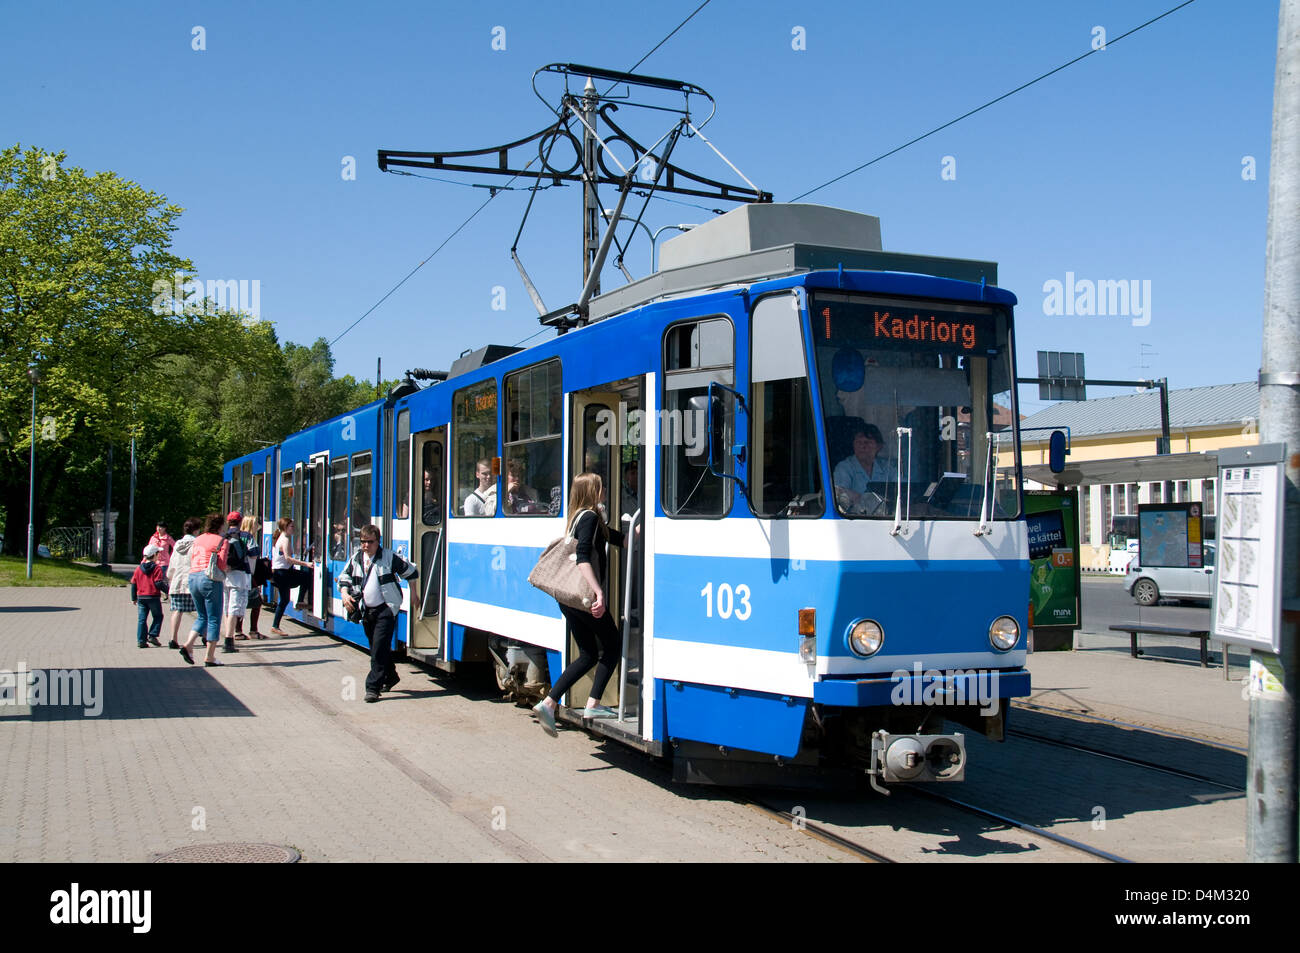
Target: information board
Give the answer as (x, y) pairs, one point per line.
(1247, 607)
(1052, 517)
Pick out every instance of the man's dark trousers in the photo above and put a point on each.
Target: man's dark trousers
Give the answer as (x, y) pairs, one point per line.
(379, 624)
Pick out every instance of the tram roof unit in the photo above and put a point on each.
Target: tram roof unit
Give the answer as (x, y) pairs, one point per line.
(761, 241)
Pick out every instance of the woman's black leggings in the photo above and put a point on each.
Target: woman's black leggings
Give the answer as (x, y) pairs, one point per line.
(284, 580)
(599, 644)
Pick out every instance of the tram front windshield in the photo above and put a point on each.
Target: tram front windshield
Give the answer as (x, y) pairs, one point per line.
(941, 370)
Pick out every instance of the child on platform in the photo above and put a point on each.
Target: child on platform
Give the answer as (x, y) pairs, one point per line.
(148, 583)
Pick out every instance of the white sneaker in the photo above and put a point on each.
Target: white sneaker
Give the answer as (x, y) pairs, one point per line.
(546, 717)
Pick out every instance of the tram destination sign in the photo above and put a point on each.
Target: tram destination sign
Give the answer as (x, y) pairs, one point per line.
(904, 325)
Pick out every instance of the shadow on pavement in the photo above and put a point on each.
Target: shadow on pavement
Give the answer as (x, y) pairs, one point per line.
(130, 693)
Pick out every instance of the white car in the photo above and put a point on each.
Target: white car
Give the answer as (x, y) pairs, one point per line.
(1149, 586)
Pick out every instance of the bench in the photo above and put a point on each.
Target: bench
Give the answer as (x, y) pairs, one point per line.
(1133, 628)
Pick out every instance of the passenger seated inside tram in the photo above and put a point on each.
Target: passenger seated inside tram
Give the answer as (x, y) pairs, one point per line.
(854, 474)
(430, 511)
(482, 500)
(520, 498)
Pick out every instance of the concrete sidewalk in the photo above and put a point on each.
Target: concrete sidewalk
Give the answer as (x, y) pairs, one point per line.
(1165, 688)
(277, 747)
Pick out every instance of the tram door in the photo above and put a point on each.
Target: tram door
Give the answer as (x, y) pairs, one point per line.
(606, 435)
(428, 546)
(298, 542)
(316, 532)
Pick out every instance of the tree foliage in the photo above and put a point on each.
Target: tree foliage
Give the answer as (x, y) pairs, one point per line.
(82, 259)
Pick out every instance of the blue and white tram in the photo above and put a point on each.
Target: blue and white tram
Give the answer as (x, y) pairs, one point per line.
(812, 445)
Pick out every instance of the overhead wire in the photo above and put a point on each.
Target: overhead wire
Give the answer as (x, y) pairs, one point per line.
(492, 196)
(991, 102)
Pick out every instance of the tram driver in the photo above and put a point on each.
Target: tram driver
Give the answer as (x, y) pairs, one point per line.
(854, 474)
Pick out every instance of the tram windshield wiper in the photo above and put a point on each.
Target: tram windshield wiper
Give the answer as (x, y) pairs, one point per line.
(985, 525)
(899, 521)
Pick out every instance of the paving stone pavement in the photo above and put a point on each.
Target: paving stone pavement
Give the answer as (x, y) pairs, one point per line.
(278, 747)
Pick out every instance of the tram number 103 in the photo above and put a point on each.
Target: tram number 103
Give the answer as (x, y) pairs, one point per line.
(729, 602)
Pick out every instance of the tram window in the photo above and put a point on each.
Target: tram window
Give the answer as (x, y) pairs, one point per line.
(259, 494)
(596, 446)
(431, 481)
(246, 488)
(938, 370)
(225, 495)
(695, 354)
(339, 508)
(474, 447)
(286, 494)
(402, 498)
(785, 478)
(533, 445)
(360, 494)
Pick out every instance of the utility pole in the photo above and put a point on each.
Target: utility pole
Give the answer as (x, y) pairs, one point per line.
(108, 504)
(130, 510)
(34, 373)
(590, 203)
(1271, 789)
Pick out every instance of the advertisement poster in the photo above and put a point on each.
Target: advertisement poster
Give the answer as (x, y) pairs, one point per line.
(1053, 520)
(1170, 535)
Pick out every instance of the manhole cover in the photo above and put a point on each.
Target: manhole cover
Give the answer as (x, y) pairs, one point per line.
(230, 854)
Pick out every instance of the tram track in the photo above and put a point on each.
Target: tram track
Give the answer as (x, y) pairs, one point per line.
(813, 829)
(861, 851)
(1098, 719)
(1019, 825)
(1124, 759)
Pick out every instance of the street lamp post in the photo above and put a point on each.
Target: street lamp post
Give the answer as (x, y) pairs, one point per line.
(34, 373)
(653, 236)
(684, 227)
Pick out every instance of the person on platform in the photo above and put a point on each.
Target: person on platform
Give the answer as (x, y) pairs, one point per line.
(599, 642)
(148, 583)
(178, 578)
(368, 584)
(283, 573)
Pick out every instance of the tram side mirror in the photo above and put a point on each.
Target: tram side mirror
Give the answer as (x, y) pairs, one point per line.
(1056, 451)
(705, 417)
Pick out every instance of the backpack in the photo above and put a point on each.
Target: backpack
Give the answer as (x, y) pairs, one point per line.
(236, 554)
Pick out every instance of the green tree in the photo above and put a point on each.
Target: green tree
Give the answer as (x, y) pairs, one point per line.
(82, 259)
(317, 394)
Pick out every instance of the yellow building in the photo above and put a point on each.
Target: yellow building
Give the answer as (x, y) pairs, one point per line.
(1112, 456)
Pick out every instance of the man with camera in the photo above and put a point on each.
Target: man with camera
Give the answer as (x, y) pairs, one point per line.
(372, 597)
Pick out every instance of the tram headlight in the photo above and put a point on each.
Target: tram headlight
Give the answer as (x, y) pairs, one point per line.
(1004, 633)
(865, 637)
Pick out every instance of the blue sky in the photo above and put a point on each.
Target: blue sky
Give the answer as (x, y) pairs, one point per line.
(1125, 167)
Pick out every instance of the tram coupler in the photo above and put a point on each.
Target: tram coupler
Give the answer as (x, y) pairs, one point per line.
(916, 758)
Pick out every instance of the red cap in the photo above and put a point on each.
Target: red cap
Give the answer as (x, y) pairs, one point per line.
(234, 516)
